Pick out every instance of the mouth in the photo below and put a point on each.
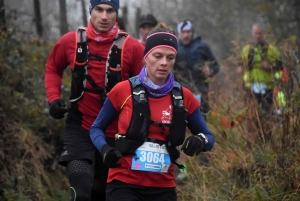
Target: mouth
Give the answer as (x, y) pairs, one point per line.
(103, 24)
(161, 71)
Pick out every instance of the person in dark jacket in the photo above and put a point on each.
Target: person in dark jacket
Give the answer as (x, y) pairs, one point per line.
(195, 63)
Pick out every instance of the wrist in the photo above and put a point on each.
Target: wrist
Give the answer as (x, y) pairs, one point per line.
(204, 137)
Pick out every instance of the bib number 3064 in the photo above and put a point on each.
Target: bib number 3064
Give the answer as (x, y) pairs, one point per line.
(151, 157)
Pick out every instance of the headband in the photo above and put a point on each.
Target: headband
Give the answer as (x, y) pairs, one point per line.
(160, 39)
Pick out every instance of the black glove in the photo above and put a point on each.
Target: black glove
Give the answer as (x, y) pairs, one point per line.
(174, 153)
(57, 109)
(110, 156)
(193, 145)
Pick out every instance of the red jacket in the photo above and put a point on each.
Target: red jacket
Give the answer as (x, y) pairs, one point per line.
(86, 109)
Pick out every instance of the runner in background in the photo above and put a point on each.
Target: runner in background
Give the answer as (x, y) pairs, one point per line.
(262, 70)
(195, 64)
(147, 23)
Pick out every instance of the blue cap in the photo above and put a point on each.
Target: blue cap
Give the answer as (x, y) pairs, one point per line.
(114, 3)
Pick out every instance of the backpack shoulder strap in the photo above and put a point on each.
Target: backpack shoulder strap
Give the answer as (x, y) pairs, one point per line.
(81, 51)
(139, 124)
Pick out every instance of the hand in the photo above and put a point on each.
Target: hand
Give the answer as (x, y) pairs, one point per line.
(174, 153)
(206, 71)
(239, 70)
(193, 145)
(57, 109)
(110, 156)
(265, 65)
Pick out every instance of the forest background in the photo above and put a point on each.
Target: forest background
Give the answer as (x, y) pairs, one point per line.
(31, 141)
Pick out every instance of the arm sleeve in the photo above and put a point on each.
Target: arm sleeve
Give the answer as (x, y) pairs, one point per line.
(208, 56)
(196, 122)
(105, 117)
(244, 55)
(57, 61)
(197, 125)
(132, 58)
(274, 57)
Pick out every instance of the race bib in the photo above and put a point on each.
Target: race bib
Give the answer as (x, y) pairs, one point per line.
(151, 157)
(259, 88)
(198, 97)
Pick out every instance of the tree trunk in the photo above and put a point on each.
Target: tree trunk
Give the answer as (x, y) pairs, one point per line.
(137, 18)
(84, 14)
(2, 13)
(38, 17)
(297, 15)
(63, 17)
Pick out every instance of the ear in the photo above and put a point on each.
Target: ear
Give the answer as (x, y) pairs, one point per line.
(144, 62)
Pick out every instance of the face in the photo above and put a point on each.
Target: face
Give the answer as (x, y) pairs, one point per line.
(258, 34)
(103, 17)
(159, 64)
(185, 37)
(145, 30)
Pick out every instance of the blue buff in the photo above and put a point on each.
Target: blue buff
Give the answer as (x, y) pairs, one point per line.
(106, 116)
(197, 125)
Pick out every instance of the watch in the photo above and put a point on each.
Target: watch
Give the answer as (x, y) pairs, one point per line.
(205, 138)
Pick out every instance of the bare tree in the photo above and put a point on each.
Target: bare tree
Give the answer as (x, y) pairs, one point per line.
(63, 17)
(84, 14)
(2, 13)
(137, 18)
(38, 17)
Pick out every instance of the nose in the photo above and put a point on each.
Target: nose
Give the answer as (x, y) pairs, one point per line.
(104, 16)
(163, 61)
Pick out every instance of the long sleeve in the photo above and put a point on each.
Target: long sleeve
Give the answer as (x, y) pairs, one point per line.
(106, 116)
(208, 56)
(197, 125)
(59, 59)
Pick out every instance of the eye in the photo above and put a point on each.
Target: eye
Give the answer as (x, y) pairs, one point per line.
(110, 10)
(99, 9)
(157, 56)
(171, 58)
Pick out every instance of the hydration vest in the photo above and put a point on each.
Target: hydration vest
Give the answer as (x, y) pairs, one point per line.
(137, 132)
(252, 53)
(80, 72)
(281, 66)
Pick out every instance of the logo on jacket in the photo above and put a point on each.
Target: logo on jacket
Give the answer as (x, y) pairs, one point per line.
(167, 115)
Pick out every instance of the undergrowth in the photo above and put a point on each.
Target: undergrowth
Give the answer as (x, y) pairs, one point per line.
(30, 140)
(241, 166)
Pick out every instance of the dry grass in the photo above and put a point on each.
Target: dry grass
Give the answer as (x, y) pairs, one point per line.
(243, 165)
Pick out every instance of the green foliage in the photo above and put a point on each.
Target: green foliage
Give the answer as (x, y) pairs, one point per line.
(28, 136)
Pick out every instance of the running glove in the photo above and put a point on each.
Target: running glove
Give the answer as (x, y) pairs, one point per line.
(194, 145)
(110, 156)
(57, 109)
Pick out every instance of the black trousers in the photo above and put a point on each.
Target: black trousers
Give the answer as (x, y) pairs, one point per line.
(117, 190)
(84, 163)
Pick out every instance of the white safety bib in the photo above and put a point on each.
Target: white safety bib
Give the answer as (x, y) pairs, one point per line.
(259, 88)
(151, 157)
